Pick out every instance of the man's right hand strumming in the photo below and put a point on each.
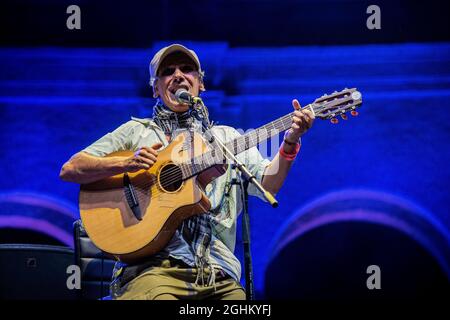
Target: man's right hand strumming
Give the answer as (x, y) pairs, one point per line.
(143, 158)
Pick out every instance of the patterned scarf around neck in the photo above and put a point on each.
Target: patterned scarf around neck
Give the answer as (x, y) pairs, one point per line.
(169, 121)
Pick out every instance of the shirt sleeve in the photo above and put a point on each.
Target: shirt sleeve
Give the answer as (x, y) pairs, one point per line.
(118, 140)
(256, 164)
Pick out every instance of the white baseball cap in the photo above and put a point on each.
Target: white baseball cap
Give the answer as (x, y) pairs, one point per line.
(164, 52)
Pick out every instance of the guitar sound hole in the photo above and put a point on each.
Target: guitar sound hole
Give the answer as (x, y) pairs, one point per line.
(170, 178)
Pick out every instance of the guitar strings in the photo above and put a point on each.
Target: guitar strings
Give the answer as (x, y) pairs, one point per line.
(172, 176)
(174, 172)
(169, 179)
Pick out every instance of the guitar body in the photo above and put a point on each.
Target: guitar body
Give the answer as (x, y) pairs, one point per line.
(116, 229)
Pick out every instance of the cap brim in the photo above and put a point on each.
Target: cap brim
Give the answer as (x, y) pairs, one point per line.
(176, 48)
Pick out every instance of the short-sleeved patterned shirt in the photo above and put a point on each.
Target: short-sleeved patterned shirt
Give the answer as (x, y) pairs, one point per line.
(137, 133)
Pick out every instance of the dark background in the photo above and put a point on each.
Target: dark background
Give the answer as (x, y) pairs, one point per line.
(238, 22)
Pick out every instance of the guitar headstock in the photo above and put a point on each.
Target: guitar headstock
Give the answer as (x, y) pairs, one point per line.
(330, 106)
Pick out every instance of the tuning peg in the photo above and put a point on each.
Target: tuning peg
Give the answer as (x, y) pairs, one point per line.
(344, 116)
(354, 113)
(334, 120)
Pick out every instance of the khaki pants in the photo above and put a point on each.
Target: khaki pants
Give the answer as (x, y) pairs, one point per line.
(171, 281)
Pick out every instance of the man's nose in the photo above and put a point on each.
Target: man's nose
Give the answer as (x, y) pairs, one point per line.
(177, 73)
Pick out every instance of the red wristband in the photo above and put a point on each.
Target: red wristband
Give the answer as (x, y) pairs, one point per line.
(289, 156)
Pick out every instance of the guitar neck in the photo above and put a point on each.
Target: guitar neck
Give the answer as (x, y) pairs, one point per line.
(255, 137)
(238, 145)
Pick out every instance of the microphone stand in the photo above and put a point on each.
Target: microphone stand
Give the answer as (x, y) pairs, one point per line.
(200, 112)
(246, 242)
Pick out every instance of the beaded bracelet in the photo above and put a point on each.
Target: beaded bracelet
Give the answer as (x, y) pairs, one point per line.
(289, 156)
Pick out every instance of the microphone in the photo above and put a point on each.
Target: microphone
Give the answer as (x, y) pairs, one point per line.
(183, 96)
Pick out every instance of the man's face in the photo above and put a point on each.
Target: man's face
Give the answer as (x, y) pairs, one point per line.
(177, 71)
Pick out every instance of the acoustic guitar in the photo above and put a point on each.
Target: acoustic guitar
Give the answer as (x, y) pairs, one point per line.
(134, 215)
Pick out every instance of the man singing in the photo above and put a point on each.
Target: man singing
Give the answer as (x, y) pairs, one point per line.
(199, 261)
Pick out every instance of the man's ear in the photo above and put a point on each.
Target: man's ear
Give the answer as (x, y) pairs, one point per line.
(202, 86)
(155, 90)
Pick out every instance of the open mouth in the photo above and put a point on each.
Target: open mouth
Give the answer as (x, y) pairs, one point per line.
(174, 89)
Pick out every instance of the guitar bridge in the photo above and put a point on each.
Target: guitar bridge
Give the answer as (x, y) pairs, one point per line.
(130, 195)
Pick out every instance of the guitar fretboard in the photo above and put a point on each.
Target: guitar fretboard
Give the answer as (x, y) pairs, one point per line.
(237, 145)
